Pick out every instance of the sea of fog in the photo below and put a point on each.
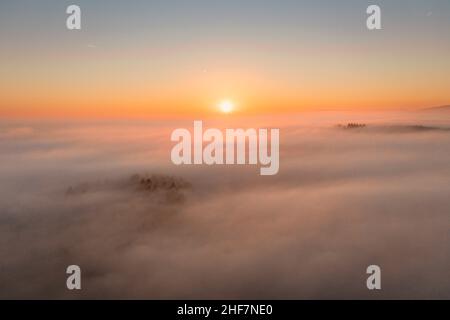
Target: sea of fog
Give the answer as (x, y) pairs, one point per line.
(104, 195)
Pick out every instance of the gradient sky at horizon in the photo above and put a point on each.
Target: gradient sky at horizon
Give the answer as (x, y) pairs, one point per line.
(166, 57)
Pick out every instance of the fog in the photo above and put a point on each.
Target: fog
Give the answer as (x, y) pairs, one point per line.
(105, 196)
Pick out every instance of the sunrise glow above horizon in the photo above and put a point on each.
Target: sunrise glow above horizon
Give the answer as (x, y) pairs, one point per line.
(163, 58)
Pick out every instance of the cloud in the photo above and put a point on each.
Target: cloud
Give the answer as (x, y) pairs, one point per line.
(344, 199)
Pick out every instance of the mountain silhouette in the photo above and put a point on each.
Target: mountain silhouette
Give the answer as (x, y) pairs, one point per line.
(445, 108)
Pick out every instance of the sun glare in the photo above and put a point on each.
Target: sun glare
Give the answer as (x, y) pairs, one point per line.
(226, 106)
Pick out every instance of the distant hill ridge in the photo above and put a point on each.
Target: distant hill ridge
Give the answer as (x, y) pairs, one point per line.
(438, 108)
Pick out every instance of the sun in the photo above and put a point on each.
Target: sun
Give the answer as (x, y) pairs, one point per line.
(226, 106)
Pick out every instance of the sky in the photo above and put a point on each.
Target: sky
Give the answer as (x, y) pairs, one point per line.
(181, 58)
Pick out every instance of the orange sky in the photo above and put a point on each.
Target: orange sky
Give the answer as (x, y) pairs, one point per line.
(186, 68)
(117, 88)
